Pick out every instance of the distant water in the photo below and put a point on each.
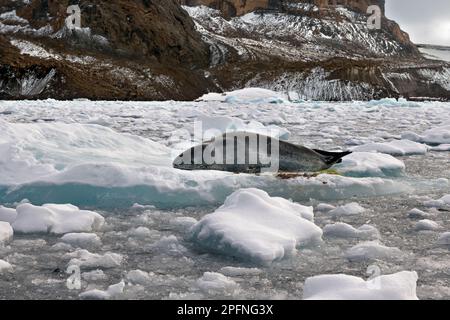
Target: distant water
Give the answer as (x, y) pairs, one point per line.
(437, 53)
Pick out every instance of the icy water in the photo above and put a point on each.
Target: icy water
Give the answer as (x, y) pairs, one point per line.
(55, 152)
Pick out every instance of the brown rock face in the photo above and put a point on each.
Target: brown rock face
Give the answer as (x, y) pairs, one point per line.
(231, 8)
(149, 29)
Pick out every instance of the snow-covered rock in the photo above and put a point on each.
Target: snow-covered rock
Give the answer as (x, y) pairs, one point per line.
(6, 232)
(399, 286)
(372, 250)
(394, 148)
(343, 230)
(5, 266)
(55, 218)
(348, 210)
(254, 226)
(369, 164)
(213, 283)
(427, 225)
(112, 292)
(82, 240)
(85, 259)
(7, 214)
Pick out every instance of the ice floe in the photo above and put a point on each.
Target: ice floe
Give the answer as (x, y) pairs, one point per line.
(344, 230)
(112, 292)
(369, 164)
(372, 250)
(253, 226)
(348, 210)
(418, 214)
(82, 240)
(85, 259)
(399, 286)
(395, 148)
(8, 214)
(213, 283)
(6, 232)
(5, 266)
(54, 218)
(427, 225)
(444, 239)
(248, 95)
(441, 203)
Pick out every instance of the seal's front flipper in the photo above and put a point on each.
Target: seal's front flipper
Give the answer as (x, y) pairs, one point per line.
(332, 158)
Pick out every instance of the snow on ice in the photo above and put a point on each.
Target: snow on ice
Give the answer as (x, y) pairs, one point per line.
(253, 226)
(399, 286)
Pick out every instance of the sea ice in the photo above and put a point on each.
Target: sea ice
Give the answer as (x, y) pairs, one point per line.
(399, 286)
(8, 214)
(247, 96)
(6, 232)
(369, 164)
(94, 275)
(427, 225)
(254, 226)
(348, 210)
(324, 207)
(343, 230)
(85, 259)
(394, 148)
(372, 250)
(437, 136)
(213, 283)
(54, 218)
(111, 293)
(82, 240)
(5, 266)
(418, 214)
(240, 272)
(444, 239)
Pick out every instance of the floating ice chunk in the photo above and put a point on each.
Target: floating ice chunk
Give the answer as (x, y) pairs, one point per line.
(94, 275)
(324, 207)
(7, 214)
(418, 214)
(85, 259)
(5, 266)
(412, 136)
(399, 286)
(343, 230)
(212, 283)
(427, 225)
(439, 204)
(6, 232)
(141, 232)
(183, 223)
(348, 210)
(112, 292)
(395, 148)
(214, 126)
(247, 96)
(82, 240)
(55, 218)
(253, 226)
(437, 136)
(441, 148)
(369, 164)
(444, 239)
(168, 245)
(240, 272)
(372, 250)
(138, 277)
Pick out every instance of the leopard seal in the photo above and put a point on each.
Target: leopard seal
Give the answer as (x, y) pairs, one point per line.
(247, 152)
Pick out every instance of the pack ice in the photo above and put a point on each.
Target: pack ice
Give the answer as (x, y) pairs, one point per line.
(253, 226)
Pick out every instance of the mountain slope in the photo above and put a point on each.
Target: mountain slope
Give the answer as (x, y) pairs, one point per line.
(158, 50)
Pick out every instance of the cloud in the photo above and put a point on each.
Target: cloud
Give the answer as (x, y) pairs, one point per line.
(425, 21)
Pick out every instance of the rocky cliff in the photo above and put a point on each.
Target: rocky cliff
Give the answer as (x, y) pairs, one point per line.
(159, 50)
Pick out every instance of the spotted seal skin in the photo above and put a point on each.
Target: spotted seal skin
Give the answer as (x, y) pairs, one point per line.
(255, 153)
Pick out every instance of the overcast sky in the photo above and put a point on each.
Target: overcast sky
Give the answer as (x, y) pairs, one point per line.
(426, 21)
